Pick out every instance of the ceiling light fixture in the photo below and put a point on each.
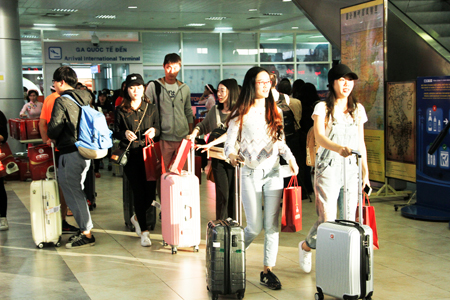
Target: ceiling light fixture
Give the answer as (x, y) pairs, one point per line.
(253, 9)
(65, 9)
(29, 37)
(215, 18)
(71, 34)
(294, 27)
(44, 25)
(105, 16)
(274, 39)
(196, 24)
(287, 0)
(132, 6)
(273, 14)
(223, 28)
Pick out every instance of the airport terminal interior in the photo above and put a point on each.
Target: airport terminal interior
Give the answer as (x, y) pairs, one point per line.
(296, 39)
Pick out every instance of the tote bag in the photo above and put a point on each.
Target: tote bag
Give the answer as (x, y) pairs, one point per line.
(291, 218)
(152, 159)
(369, 219)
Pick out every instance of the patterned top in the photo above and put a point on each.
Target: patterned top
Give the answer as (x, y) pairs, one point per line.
(257, 147)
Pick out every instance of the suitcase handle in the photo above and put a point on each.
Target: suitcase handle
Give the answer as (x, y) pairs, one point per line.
(356, 224)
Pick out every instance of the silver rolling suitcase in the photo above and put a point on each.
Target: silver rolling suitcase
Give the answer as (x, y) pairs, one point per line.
(344, 256)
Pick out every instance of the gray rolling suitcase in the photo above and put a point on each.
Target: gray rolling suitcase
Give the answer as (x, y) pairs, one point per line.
(225, 253)
(344, 256)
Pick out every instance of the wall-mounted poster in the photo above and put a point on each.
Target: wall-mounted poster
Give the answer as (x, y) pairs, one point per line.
(362, 49)
(401, 130)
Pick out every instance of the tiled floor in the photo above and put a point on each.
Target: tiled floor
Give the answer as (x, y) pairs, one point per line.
(413, 262)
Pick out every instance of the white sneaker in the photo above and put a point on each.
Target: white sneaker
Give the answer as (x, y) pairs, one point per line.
(145, 239)
(4, 224)
(136, 225)
(304, 258)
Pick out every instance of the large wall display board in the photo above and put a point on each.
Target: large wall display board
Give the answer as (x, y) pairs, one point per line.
(401, 130)
(362, 49)
(433, 171)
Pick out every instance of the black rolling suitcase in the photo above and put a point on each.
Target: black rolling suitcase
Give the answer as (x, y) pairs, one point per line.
(225, 253)
(128, 207)
(89, 187)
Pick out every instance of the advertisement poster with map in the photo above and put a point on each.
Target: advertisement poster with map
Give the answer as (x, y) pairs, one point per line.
(362, 49)
(401, 130)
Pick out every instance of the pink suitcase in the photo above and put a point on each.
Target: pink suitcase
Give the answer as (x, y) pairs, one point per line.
(180, 208)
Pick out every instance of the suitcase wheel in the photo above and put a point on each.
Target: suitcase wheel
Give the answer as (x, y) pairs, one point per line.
(174, 250)
(196, 249)
(215, 296)
(40, 246)
(318, 296)
(240, 295)
(58, 243)
(164, 243)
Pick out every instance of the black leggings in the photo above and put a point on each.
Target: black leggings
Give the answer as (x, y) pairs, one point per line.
(143, 190)
(3, 198)
(225, 195)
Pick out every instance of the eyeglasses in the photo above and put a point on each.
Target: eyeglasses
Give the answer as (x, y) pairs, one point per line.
(263, 83)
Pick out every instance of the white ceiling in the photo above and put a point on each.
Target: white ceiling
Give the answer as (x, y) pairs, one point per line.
(167, 15)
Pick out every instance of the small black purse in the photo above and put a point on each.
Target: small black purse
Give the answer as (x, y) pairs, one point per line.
(120, 156)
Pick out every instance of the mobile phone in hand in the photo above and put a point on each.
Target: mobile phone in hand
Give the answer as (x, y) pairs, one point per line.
(367, 190)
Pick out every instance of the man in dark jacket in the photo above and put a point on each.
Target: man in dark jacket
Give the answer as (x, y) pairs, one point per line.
(63, 129)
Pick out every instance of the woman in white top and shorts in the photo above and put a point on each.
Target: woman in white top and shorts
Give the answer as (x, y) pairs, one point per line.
(338, 129)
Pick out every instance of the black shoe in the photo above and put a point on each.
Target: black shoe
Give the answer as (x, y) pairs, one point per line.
(270, 280)
(74, 236)
(81, 241)
(67, 228)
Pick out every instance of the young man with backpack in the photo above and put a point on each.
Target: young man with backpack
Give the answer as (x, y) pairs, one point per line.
(63, 129)
(173, 99)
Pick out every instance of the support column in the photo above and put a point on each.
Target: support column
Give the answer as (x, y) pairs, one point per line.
(11, 87)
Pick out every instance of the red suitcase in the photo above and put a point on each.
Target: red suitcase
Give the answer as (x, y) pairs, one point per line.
(33, 129)
(180, 208)
(41, 159)
(14, 130)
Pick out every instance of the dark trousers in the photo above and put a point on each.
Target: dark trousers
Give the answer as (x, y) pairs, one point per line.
(294, 142)
(3, 198)
(143, 190)
(225, 194)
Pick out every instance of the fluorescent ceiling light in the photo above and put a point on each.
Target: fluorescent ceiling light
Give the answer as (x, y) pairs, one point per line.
(195, 24)
(287, 0)
(223, 28)
(316, 37)
(253, 9)
(274, 39)
(105, 16)
(29, 37)
(132, 6)
(65, 9)
(215, 18)
(44, 25)
(294, 27)
(273, 14)
(71, 34)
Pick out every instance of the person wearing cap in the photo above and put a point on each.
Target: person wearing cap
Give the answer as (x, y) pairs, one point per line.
(63, 131)
(46, 115)
(174, 106)
(338, 129)
(129, 114)
(33, 108)
(208, 98)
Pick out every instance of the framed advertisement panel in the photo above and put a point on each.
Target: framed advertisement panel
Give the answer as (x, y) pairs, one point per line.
(362, 49)
(401, 130)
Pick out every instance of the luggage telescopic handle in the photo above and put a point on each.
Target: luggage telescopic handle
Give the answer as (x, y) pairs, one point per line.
(360, 199)
(54, 161)
(238, 192)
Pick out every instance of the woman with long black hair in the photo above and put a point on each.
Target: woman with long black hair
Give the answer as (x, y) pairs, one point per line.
(135, 119)
(228, 93)
(256, 124)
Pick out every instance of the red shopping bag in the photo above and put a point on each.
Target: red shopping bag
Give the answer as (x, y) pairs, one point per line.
(7, 162)
(369, 219)
(178, 160)
(291, 218)
(152, 159)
